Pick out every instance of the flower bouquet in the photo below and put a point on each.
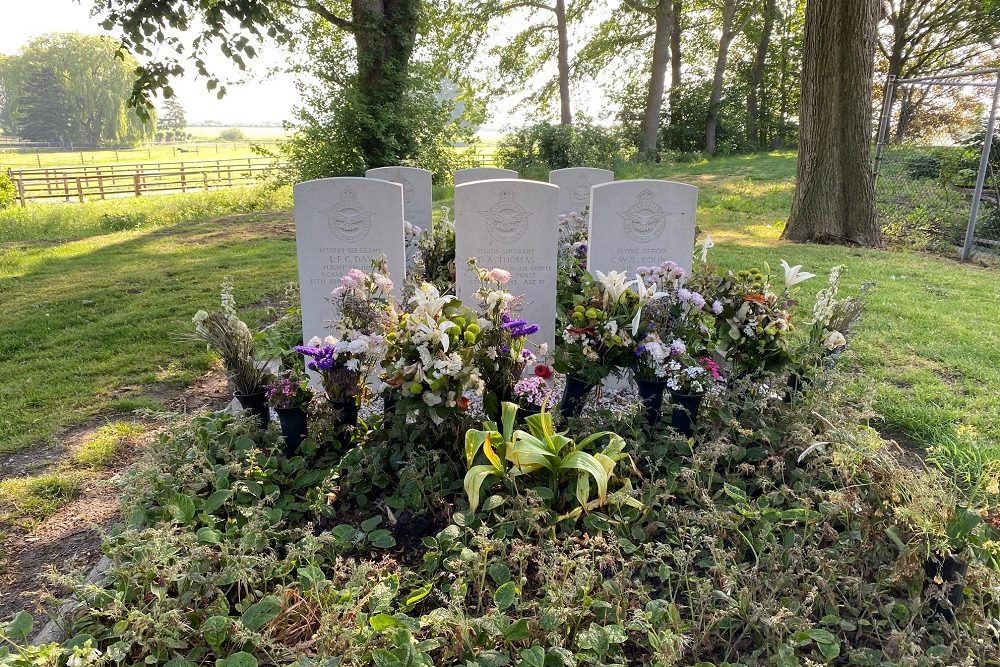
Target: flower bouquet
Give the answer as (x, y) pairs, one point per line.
(755, 320)
(571, 260)
(226, 334)
(833, 320)
(430, 360)
(532, 394)
(435, 258)
(289, 394)
(596, 336)
(502, 351)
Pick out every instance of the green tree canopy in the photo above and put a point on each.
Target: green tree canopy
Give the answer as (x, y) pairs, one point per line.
(70, 87)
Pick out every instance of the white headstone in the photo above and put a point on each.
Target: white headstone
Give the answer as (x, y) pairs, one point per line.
(463, 176)
(574, 186)
(417, 191)
(641, 223)
(343, 224)
(512, 225)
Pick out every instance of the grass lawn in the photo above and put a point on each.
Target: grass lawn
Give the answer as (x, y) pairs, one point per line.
(86, 324)
(181, 152)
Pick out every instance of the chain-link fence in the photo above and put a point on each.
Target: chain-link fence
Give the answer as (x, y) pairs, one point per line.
(937, 175)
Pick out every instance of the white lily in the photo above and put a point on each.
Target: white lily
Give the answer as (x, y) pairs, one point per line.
(615, 284)
(428, 300)
(706, 245)
(646, 293)
(795, 275)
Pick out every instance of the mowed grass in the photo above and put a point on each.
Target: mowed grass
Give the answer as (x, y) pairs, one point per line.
(85, 325)
(180, 152)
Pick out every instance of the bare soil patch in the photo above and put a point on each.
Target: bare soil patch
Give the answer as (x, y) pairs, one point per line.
(70, 538)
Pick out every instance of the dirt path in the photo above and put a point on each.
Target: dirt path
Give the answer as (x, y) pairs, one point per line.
(69, 538)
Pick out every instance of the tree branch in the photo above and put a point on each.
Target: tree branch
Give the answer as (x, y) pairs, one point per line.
(320, 10)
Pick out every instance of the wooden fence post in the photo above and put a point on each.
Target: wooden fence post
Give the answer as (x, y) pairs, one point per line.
(79, 189)
(20, 190)
(100, 182)
(183, 179)
(66, 186)
(138, 188)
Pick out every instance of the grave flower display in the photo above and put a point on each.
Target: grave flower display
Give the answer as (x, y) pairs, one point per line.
(289, 394)
(226, 334)
(677, 327)
(571, 262)
(430, 360)
(503, 350)
(597, 335)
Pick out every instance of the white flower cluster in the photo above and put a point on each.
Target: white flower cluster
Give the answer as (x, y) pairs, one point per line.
(438, 374)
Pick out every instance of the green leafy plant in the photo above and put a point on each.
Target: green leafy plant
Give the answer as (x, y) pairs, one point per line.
(512, 454)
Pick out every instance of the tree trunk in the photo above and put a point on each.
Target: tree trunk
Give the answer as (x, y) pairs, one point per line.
(834, 198)
(757, 77)
(676, 63)
(385, 32)
(657, 77)
(715, 100)
(565, 117)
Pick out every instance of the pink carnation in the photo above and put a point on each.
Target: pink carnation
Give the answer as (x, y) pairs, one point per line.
(499, 276)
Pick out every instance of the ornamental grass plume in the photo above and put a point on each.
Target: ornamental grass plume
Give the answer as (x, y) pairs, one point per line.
(228, 336)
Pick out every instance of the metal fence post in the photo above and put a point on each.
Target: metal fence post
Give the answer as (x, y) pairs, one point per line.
(883, 126)
(984, 160)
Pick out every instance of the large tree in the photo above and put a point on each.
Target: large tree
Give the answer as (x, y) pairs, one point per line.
(70, 87)
(735, 15)
(834, 198)
(383, 32)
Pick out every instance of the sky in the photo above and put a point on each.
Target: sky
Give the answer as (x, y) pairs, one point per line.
(260, 100)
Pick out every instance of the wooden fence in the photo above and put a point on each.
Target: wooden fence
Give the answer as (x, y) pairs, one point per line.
(134, 180)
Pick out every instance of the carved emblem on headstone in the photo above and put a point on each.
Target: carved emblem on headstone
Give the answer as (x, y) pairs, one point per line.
(349, 220)
(645, 220)
(579, 194)
(506, 220)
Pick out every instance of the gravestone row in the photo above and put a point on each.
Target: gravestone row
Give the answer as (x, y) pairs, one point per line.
(343, 223)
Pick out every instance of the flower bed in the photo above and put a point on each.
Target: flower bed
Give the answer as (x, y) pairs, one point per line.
(782, 531)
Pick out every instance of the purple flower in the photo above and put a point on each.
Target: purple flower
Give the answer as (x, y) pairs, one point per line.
(519, 328)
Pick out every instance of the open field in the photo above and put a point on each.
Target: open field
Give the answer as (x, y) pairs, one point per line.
(86, 325)
(199, 150)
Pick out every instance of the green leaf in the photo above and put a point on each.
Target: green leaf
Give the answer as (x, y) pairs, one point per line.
(382, 539)
(181, 508)
(583, 461)
(261, 612)
(499, 573)
(532, 657)
(474, 480)
(380, 622)
(371, 523)
(241, 659)
(208, 535)
(216, 500)
(517, 631)
(20, 626)
(786, 657)
(215, 630)
(506, 595)
(493, 502)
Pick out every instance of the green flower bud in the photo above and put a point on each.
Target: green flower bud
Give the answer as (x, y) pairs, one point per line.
(416, 388)
(470, 337)
(474, 328)
(592, 313)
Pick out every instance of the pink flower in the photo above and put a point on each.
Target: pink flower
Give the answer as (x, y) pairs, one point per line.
(353, 278)
(499, 276)
(711, 367)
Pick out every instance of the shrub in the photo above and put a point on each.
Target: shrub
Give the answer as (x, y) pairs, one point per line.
(8, 195)
(684, 126)
(537, 149)
(119, 221)
(232, 134)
